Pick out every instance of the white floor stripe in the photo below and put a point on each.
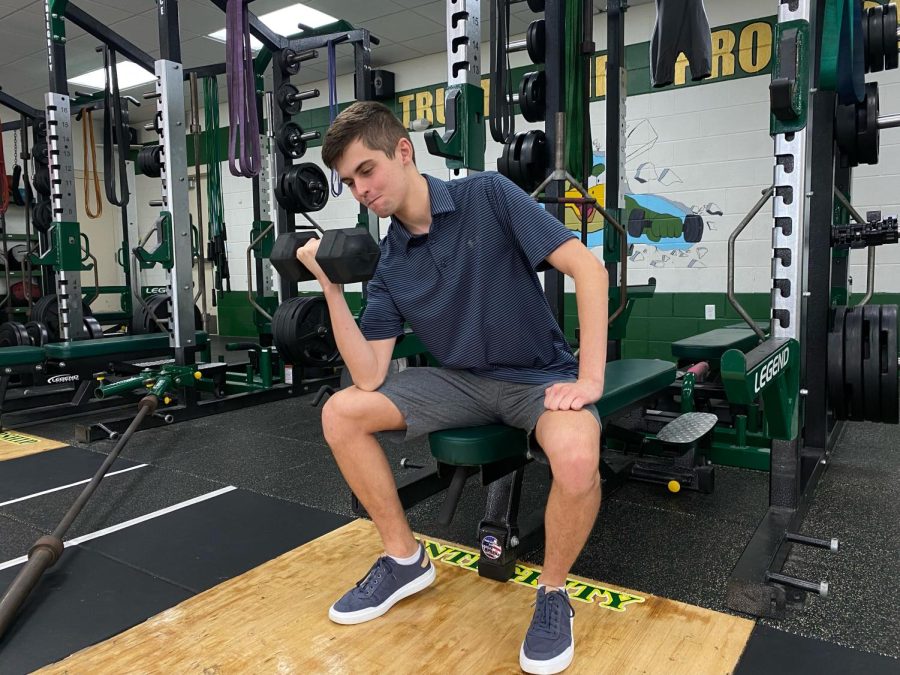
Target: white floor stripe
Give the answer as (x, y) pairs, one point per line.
(127, 523)
(66, 487)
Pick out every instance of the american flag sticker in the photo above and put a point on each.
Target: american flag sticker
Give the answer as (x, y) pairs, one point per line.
(491, 547)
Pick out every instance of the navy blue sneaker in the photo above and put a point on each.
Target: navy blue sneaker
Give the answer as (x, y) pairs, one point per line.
(549, 646)
(385, 585)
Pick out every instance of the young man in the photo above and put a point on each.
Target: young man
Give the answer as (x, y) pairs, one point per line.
(459, 265)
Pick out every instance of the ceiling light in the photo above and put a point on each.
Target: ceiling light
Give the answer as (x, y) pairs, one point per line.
(129, 75)
(284, 22)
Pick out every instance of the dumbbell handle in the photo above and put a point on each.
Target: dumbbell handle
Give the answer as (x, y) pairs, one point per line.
(302, 95)
(517, 46)
(889, 121)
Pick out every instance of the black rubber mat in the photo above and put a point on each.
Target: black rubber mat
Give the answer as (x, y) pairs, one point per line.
(206, 543)
(108, 584)
(45, 470)
(83, 600)
(771, 651)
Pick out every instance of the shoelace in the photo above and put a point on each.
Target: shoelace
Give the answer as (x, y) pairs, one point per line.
(547, 615)
(367, 584)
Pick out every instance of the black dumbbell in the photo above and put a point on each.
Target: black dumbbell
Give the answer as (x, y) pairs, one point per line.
(346, 256)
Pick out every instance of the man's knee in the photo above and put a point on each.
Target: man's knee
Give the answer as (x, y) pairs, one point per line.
(354, 411)
(574, 454)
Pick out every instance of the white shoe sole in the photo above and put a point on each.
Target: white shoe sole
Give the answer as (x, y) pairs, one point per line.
(555, 665)
(363, 615)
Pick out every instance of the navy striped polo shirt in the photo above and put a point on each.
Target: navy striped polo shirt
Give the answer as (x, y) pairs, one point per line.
(469, 288)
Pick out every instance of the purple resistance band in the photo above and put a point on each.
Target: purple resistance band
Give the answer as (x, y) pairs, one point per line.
(243, 124)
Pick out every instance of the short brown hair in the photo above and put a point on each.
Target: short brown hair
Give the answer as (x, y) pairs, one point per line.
(369, 121)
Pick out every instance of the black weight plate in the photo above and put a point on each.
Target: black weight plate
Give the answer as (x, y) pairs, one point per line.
(92, 328)
(13, 334)
(890, 387)
(853, 377)
(312, 186)
(872, 362)
(874, 44)
(533, 95)
(38, 333)
(40, 153)
(46, 310)
(289, 140)
(889, 35)
(535, 41)
(284, 59)
(42, 215)
(868, 136)
(319, 350)
(536, 6)
(865, 39)
(158, 306)
(41, 181)
(836, 392)
(503, 161)
(283, 97)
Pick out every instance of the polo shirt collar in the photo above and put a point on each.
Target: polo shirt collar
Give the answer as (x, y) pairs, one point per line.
(441, 202)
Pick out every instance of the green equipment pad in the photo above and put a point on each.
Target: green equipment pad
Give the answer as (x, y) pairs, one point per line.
(711, 345)
(111, 346)
(627, 381)
(21, 356)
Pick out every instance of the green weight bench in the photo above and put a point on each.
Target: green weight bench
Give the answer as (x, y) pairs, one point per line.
(50, 371)
(710, 346)
(499, 453)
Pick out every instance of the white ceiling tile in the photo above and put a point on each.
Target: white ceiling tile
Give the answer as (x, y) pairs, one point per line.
(428, 44)
(398, 27)
(385, 56)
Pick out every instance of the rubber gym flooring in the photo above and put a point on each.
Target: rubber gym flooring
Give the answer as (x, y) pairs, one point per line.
(216, 545)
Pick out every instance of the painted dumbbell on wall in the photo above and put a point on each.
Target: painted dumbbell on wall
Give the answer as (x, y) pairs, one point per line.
(346, 256)
(660, 226)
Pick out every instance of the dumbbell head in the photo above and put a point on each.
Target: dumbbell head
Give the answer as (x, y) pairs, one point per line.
(284, 255)
(348, 255)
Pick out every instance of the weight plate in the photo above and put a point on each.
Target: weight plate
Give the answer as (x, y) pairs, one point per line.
(39, 152)
(836, 393)
(535, 41)
(289, 140)
(865, 37)
(38, 333)
(872, 362)
(889, 35)
(41, 181)
(285, 61)
(503, 161)
(868, 134)
(890, 387)
(301, 331)
(286, 101)
(533, 95)
(158, 306)
(853, 378)
(536, 6)
(42, 215)
(46, 310)
(13, 334)
(92, 328)
(872, 21)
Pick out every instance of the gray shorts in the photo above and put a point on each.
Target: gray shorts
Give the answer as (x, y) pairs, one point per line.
(432, 399)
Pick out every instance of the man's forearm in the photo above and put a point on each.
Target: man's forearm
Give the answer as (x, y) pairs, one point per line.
(356, 352)
(592, 298)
